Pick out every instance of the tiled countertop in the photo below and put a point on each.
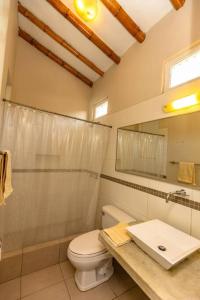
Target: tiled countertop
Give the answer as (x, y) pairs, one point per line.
(181, 282)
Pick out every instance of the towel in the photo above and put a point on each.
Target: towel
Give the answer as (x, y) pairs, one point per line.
(5, 176)
(2, 176)
(186, 172)
(118, 234)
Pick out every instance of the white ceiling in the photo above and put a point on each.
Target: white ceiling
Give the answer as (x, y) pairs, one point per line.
(146, 13)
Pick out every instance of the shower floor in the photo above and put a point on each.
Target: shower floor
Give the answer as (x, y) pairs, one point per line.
(57, 283)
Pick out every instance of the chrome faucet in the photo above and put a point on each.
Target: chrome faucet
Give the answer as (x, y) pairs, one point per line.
(180, 193)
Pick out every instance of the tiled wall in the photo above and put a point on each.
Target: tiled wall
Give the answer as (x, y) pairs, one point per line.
(143, 205)
(40, 209)
(34, 258)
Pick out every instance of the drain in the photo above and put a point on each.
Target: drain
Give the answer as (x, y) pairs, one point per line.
(162, 248)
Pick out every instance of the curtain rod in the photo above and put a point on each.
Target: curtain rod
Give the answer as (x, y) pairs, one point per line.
(50, 112)
(145, 132)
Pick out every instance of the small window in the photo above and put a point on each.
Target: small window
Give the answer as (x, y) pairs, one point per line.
(183, 69)
(101, 109)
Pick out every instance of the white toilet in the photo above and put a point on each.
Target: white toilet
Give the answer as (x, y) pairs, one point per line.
(88, 255)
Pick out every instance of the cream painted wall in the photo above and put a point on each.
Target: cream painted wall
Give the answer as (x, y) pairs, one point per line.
(134, 92)
(40, 82)
(8, 33)
(139, 75)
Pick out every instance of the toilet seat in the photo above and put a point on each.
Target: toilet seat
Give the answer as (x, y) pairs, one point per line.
(87, 245)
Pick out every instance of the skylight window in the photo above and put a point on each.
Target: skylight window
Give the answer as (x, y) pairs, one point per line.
(183, 69)
(101, 109)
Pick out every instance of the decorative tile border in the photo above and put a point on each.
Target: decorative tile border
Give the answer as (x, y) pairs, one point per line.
(176, 199)
(95, 174)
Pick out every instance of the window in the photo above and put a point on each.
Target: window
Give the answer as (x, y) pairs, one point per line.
(101, 109)
(183, 69)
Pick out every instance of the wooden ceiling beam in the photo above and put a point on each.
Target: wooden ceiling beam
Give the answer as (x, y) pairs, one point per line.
(118, 12)
(84, 29)
(45, 28)
(177, 3)
(28, 38)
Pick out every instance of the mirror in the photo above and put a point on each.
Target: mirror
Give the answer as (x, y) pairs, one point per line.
(166, 149)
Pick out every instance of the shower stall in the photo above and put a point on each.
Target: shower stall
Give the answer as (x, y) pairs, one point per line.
(56, 163)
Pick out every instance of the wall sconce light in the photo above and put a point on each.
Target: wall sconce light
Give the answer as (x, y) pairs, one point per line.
(87, 9)
(182, 103)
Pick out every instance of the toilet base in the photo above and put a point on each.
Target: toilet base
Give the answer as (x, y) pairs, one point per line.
(87, 280)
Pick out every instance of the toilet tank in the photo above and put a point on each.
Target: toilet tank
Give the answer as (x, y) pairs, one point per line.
(112, 215)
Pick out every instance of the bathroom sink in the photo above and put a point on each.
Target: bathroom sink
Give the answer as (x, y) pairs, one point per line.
(164, 243)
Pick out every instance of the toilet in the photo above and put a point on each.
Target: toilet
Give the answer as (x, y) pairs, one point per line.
(92, 261)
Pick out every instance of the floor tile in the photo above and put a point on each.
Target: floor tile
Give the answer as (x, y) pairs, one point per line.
(39, 280)
(10, 267)
(67, 269)
(55, 292)
(134, 294)
(102, 291)
(38, 258)
(120, 284)
(120, 270)
(10, 290)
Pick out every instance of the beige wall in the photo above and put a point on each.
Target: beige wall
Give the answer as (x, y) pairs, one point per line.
(40, 82)
(139, 75)
(8, 33)
(134, 91)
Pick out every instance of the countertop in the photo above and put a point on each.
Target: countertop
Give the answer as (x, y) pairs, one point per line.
(181, 282)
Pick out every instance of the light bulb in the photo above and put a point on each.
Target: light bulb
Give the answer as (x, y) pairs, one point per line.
(87, 9)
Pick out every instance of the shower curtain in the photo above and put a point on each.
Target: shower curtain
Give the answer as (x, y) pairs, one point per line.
(56, 164)
(141, 152)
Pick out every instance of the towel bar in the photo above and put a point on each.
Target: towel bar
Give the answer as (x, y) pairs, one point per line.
(177, 162)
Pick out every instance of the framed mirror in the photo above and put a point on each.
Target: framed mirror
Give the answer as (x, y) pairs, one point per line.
(165, 149)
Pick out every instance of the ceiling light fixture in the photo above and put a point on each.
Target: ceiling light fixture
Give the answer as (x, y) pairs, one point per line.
(182, 103)
(87, 9)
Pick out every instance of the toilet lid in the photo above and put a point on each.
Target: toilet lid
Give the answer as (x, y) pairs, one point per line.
(87, 244)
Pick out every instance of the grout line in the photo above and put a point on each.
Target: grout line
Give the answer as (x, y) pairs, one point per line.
(65, 282)
(20, 280)
(191, 222)
(117, 296)
(59, 255)
(133, 287)
(128, 290)
(9, 280)
(56, 283)
(61, 272)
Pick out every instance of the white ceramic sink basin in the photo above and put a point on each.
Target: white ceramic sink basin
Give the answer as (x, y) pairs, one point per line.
(164, 243)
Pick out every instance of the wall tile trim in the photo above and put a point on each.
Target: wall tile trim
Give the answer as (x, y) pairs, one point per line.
(176, 199)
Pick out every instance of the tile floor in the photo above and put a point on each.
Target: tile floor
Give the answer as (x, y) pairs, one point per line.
(57, 283)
